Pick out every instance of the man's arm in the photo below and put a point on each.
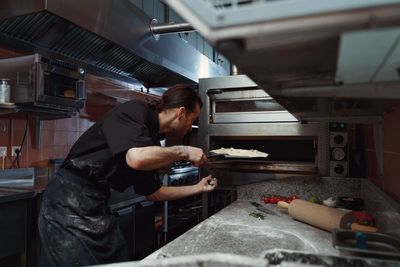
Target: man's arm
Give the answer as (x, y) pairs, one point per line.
(154, 157)
(167, 193)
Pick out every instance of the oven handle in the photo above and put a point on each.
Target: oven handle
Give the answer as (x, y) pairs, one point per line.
(80, 85)
(214, 91)
(122, 212)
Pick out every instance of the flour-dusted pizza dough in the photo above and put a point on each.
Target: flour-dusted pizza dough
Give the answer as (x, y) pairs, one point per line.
(246, 153)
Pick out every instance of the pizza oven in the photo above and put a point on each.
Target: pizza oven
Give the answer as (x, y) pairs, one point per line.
(237, 113)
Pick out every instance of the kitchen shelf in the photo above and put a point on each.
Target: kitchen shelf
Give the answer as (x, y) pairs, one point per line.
(40, 113)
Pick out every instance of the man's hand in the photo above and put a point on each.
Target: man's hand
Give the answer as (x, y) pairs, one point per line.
(196, 155)
(208, 184)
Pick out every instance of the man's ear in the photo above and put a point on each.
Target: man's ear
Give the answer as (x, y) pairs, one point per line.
(181, 112)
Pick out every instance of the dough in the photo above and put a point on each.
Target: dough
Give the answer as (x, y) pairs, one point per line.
(245, 153)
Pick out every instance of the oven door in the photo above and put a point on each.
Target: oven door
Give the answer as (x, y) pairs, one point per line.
(60, 87)
(245, 105)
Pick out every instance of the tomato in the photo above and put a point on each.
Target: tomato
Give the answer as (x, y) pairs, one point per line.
(273, 200)
(267, 199)
(294, 197)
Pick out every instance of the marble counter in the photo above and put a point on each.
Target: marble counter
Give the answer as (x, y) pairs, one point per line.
(233, 230)
(232, 237)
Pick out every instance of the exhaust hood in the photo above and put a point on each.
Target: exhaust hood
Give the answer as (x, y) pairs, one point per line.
(320, 59)
(108, 37)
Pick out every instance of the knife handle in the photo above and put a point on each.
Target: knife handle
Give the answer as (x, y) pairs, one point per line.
(283, 204)
(363, 228)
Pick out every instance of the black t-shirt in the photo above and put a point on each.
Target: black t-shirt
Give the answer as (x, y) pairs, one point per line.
(99, 154)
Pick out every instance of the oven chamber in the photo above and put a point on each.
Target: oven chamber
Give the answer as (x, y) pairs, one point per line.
(237, 113)
(44, 82)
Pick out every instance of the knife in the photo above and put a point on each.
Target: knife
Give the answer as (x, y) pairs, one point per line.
(262, 208)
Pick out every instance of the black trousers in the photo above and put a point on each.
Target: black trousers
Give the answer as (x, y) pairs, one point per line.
(76, 225)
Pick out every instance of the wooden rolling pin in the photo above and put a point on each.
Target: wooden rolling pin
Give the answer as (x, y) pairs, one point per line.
(323, 217)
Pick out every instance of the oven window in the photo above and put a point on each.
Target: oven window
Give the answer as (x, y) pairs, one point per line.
(59, 86)
(287, 149)
(247, 105)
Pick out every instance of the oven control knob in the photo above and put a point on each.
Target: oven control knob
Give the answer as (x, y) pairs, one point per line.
(339, 169)
(338, 153)
(338, 139)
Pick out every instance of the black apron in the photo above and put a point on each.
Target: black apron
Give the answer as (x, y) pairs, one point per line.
(76, 225)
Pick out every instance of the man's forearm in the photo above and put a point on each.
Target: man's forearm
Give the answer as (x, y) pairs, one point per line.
(167, 193)
(153, 157)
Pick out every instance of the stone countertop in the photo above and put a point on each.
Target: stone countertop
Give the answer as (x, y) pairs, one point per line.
(232, 230)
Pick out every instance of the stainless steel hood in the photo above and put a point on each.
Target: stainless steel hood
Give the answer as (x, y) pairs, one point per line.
(110, 37)
(320, 59)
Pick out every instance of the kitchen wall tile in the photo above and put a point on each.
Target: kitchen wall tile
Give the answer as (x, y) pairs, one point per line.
(8, 162)
(17, 136)
(61, 138)
(60, 151)
(46, 138)
(83, 124)
(72, 137)
(48, 125)
(34, 154)
(4, 132)
(47, 153)
(68, 124)
(19, 124)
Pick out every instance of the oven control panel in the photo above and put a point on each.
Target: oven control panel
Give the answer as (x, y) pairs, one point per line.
(182, 173)
(338, 149)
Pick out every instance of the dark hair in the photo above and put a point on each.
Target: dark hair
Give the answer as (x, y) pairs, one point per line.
(179, 95)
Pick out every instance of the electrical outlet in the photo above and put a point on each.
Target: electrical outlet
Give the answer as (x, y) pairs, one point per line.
(13, 151)
(3, 151)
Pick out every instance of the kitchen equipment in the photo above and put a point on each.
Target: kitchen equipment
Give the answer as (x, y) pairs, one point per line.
(323, 217)
(182, 213)
(338, 149)
(4, 91)
(237, 113)
(262, 208)
(377, 244)
(135, 216)
(45, 82)
(20, 177)
(91, 33)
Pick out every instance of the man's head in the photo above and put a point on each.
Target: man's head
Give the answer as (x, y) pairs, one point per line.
(181, 105)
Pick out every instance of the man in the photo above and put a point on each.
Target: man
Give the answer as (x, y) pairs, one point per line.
(120, 150)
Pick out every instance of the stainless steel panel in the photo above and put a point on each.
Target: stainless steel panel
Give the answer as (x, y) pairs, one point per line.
(272, 116)
(208, 130)
(376, 244)
(110, 36)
